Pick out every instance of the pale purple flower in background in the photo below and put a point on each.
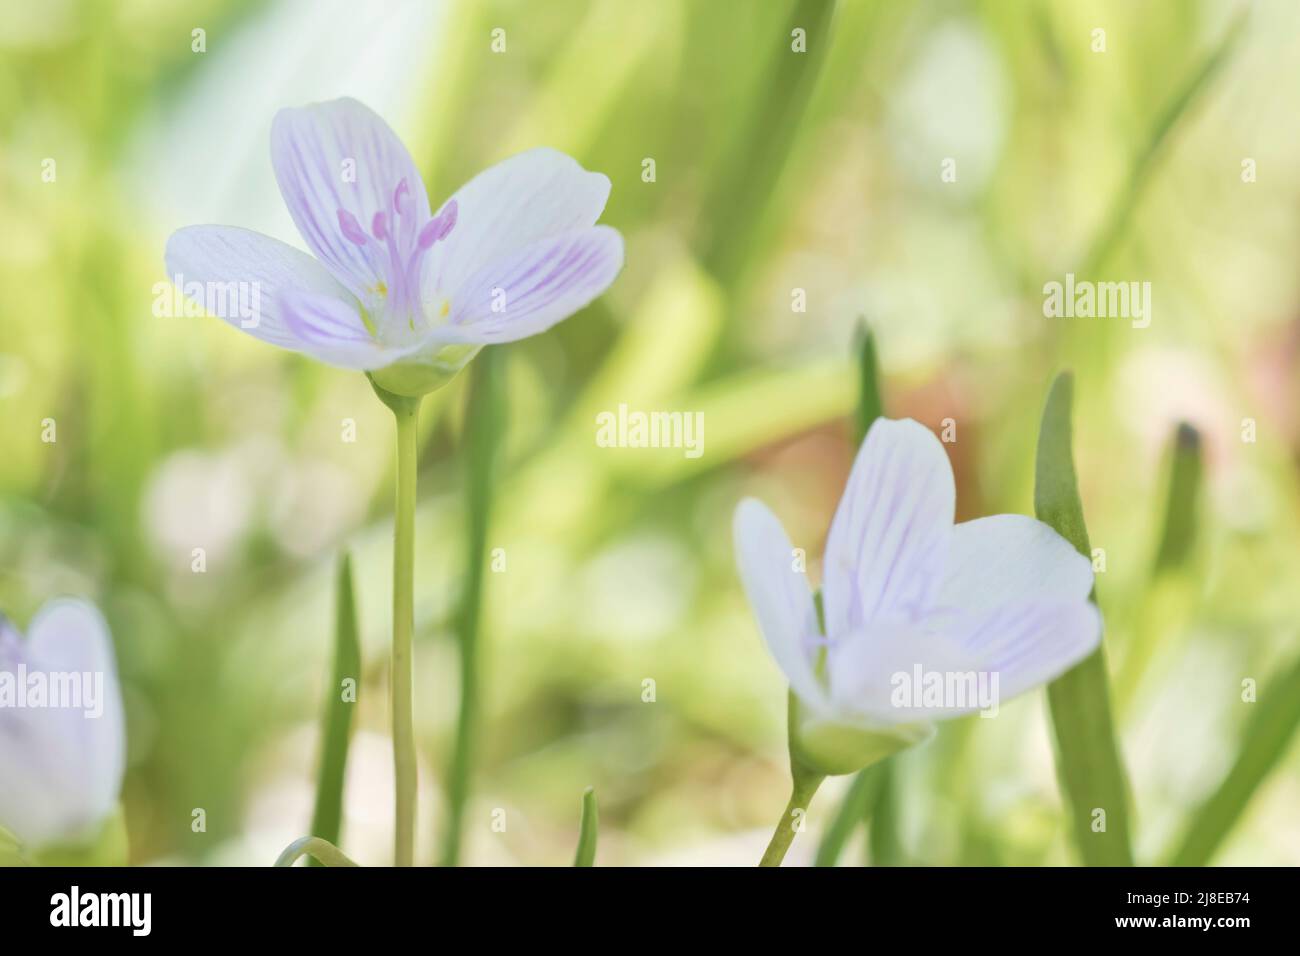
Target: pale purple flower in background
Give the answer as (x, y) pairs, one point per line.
(395, 290)
(62, 750)
(906, 591)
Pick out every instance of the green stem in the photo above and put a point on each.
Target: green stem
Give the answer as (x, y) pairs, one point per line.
(796, 811)
(407, 413)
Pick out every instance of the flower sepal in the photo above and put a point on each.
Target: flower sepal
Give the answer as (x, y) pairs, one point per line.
(104, 845)
(418, 377)
(834, 748)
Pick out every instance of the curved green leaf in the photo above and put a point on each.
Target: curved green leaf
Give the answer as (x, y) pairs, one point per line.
(327, 817)
(323, 851)
(1087, 754)
(1263, 744)
(483, 432)
(586, 855)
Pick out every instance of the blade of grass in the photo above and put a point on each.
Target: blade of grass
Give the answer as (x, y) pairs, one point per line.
(327, 817)
(1182, 501)
(764, 145)
(586, 855)
(884, 846)
(1167, 599)
(854, 809)
(864, 798)
(1087, 753)
(484, 424)
(1178, 107)
(870, 405)
(1263, 744)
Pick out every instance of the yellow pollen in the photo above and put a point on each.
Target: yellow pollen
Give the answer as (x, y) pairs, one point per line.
(446, 307)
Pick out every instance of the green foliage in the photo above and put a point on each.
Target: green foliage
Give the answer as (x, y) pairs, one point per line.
(336, 723)
(1087, 753)
(586, 853)
(482, 433)
(775, 170)
(1267, 736)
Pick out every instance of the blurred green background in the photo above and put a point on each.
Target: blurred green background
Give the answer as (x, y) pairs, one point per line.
(774, 171)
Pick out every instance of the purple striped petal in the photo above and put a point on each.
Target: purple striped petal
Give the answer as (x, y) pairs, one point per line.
(509, 207)
(333, 332)
(532, 290)
(1002, 652)
(340, 167)
(888, 543)
(1026, 643)
(241, 275)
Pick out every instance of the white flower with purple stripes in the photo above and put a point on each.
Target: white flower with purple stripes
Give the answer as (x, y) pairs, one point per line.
(907, 592)
(393, 289)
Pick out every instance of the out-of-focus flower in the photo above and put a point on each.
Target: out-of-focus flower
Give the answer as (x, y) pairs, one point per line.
(922, 617)
(62, 729)
(393, 289)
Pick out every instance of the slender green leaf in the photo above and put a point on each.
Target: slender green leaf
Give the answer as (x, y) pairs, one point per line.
(1265, 740)
(1179, 106)
(586, 855)
(853, 811)
(484, 425)
(327, 817)
(884, 846)
(764, 144)
(870, 405)
(1087, 753)
(1178, 537)
(1169, 597)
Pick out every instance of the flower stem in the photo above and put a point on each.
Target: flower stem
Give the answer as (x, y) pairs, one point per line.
(406, 413)
(792, 820)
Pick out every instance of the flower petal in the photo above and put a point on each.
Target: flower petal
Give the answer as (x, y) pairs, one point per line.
(865, 666)
(780, 596)
(889, 539)
(1027, 643)
(209, 259)
(1010, 559)
(341, 157)
(332, 331)
(533, 289)
(902, 672)
(510, 206)
(63, 766)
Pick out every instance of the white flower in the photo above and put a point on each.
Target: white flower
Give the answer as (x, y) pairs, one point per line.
(906, 592)
(62, 730)
(394, 289)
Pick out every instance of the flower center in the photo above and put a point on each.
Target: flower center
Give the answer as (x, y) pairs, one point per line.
(406, 242)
